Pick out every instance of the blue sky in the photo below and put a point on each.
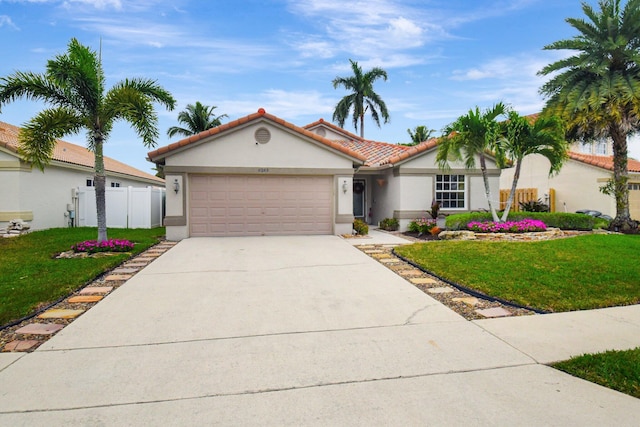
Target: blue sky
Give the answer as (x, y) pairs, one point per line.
(442, 57)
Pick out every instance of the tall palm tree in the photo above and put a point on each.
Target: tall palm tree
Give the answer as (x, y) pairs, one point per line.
(528, 135)
(362, 98)
(471, 136)
(195, 119)
(596, 91)
(419, 134)
(73, 87)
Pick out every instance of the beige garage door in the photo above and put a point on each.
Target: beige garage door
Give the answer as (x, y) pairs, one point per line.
(258, 205)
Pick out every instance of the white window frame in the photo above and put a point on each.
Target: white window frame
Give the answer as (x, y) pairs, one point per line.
(443, 186)
(89, 182)
(115, 184)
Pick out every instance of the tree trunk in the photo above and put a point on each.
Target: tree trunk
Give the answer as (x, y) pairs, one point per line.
(512, 193)
(622, 221)
(100, 182)
(487, 189)
(362, 125)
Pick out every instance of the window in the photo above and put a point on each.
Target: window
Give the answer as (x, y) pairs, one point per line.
(601, 148)
(634, 187)
(450, 191)
(89, 182)
(115, 184)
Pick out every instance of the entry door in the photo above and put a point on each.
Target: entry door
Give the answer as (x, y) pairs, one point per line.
(359, 190)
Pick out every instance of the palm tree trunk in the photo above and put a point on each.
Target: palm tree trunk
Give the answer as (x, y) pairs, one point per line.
(512, 193)
(362, 125)
(622, 221)
(487, 189)
(100, 182)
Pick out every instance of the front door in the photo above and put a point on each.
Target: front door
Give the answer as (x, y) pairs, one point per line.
(358, 198)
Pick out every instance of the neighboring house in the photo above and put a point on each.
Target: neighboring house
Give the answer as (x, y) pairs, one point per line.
(45, 198)
(577, 186)
(260, 175)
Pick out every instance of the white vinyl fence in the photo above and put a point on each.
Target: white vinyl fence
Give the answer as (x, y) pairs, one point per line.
(127, 207)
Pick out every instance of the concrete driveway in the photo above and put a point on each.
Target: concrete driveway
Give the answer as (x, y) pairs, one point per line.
(286, 331)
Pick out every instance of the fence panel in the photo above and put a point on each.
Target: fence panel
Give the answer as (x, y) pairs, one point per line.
(522, 195)
(127, 207)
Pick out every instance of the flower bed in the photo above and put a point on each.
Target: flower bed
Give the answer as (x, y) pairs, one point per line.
(422, 225)
(111, 245)
(523, 226)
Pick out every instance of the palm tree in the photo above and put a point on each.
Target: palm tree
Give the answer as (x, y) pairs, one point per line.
(196, 118)
(596, 91)
(362, 98)
(471, 136)
(73, 86)
(419, 134)
(528, 135)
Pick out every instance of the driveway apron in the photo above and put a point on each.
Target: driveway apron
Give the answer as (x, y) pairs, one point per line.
(286, 331)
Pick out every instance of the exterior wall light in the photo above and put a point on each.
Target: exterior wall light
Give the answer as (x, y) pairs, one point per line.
(344, 187)
(176, 185)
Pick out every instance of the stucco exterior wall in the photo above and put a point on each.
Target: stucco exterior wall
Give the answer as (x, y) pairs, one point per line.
(577, 185)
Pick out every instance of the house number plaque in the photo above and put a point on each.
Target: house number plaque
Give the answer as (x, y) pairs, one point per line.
(263, 170)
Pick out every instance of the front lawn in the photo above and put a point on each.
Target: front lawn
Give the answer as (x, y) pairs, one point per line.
(31, 277)
(619, 370)
(578, 273)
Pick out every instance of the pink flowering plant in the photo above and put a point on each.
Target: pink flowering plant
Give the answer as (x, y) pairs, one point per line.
(422, 225)
(111, 245)
(523, 226)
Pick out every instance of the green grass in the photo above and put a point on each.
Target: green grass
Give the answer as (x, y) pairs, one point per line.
(577, 273)
(619, 370)
(31, 277)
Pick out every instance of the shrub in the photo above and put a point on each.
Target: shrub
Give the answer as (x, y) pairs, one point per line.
(522, 226)
(360, 227)
(422, 225)
(111, 245)
(389, 224)
(564, 221)
(534, 206)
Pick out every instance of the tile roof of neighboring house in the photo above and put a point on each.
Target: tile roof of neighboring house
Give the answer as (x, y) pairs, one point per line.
(605, 162)
(66, 152)
(160, 152)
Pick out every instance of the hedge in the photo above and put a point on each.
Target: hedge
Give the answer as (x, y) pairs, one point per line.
(561, 220)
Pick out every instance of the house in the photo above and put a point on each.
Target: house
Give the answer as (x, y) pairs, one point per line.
(260, 175)
(577, 185)
(45, 199)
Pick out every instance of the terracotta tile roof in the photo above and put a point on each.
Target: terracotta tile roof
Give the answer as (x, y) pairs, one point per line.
(338, 129)
(261, 114)
(376, 153)
(66, 152)
(412, 151)
(604, 162)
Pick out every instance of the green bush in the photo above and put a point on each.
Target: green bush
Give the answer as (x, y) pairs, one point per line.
(534, 206)
(360, 227)
(389, 224)
(561, 220)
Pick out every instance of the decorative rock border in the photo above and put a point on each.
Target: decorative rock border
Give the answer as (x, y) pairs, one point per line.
(549, 234)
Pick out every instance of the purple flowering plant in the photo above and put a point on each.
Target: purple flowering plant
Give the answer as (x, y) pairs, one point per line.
(111, 245)
(422, 225)
(522, 226)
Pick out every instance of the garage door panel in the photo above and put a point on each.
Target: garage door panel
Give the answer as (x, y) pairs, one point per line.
(260, 205)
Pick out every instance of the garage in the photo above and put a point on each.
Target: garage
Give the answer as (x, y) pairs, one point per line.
(260, 205)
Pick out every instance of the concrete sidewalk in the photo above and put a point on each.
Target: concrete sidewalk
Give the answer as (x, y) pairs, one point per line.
(297, 331)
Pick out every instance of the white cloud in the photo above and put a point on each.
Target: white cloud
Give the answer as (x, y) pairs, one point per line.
(289, 104)
(6, 21)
